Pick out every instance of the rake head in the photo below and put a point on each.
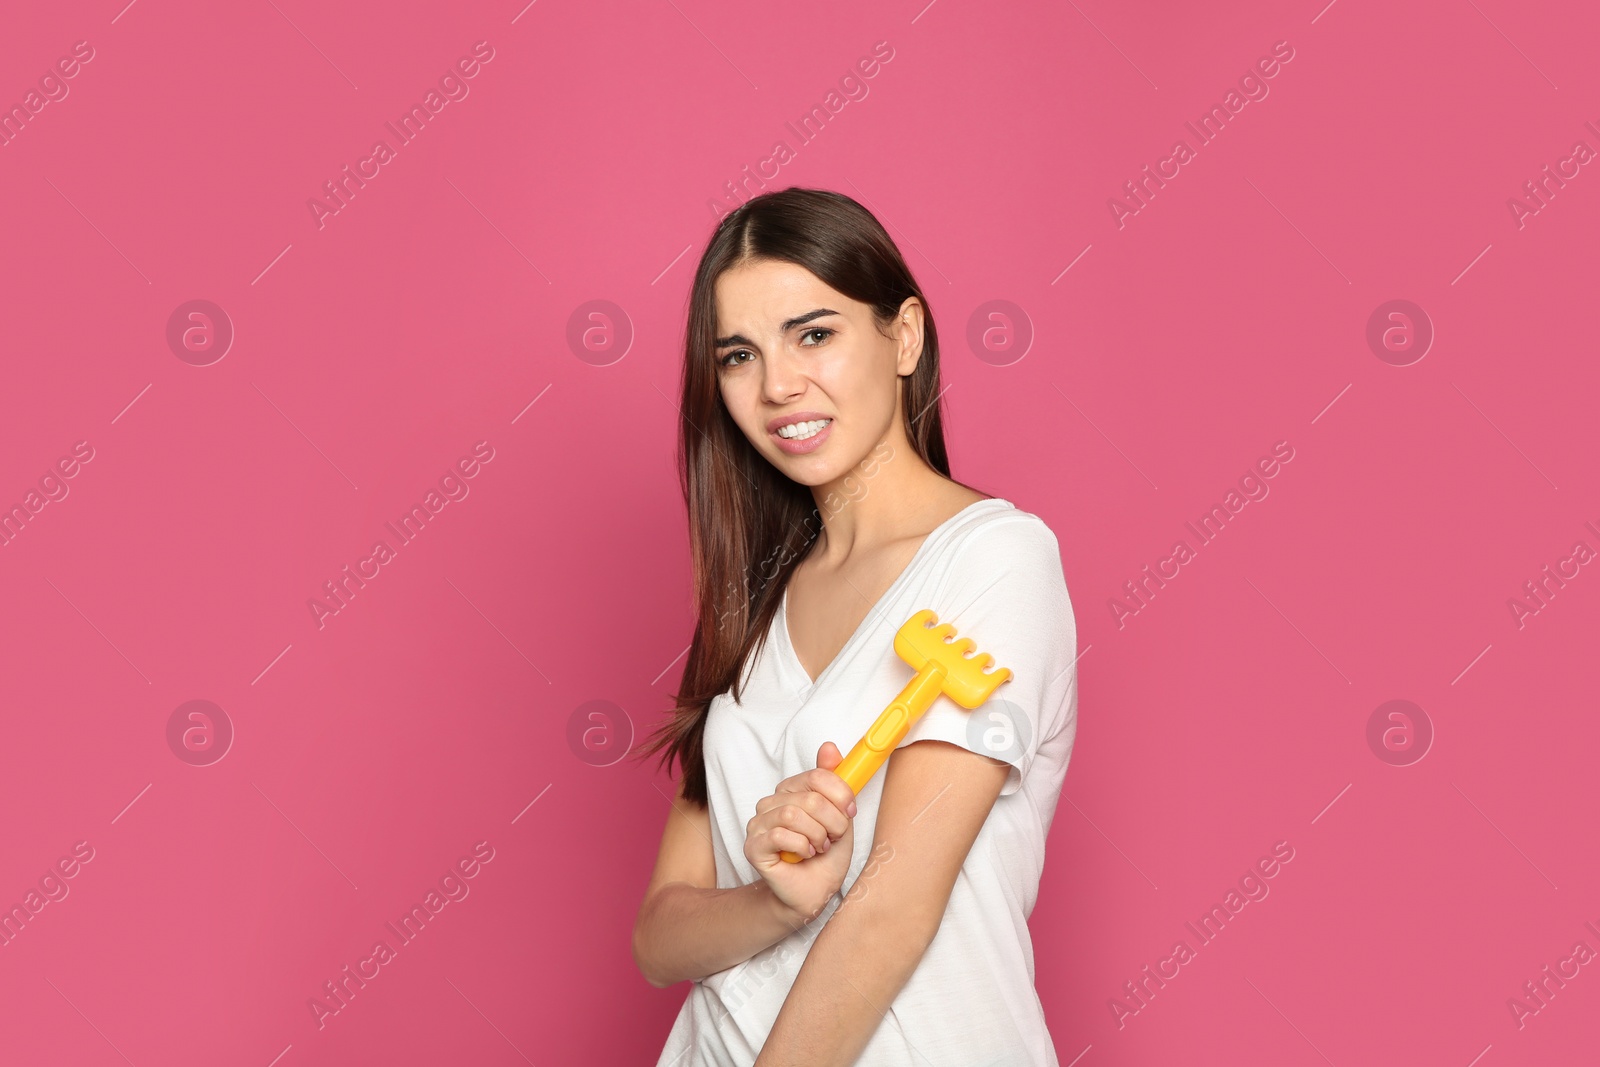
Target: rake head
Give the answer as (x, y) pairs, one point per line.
(964, 680)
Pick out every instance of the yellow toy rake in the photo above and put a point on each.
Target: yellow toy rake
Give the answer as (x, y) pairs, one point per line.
(942, 667)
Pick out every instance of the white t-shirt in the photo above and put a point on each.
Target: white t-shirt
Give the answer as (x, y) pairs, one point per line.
(993, 571)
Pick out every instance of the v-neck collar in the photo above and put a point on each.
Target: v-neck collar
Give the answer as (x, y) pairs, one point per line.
(792, 658)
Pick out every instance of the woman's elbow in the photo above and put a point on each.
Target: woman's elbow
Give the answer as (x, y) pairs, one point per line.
(642, 958)
(656, 981)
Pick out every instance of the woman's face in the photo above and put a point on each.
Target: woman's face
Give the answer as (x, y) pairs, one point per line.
(793, 353)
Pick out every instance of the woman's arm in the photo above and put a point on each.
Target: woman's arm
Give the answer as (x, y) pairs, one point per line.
(686, 927)
(936, 796)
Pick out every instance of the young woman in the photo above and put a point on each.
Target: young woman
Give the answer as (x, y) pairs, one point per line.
(822, 516)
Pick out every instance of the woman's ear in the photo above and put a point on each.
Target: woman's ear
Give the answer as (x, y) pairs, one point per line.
(907, 329)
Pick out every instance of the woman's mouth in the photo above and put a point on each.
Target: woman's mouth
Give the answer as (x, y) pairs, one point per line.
(798, 438)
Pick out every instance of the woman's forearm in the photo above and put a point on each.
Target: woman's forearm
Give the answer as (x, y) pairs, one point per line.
(685, 932)
(855, 969)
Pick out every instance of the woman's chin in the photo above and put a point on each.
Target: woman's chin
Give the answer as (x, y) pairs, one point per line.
(814, 471)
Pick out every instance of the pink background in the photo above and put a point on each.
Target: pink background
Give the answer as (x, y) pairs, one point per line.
(434, 710)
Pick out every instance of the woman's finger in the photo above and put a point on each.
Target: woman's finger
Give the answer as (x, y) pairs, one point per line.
(819, 807)
(782, 839)
(795, 818)
(834, 788)
(825, 782)
(816, 781)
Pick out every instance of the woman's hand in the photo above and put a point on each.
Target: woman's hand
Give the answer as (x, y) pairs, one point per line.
(811, 813)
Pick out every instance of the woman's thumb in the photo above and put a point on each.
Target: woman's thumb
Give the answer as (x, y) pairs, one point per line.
(829, 756)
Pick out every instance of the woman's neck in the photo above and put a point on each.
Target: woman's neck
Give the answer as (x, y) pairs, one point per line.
(903, 497)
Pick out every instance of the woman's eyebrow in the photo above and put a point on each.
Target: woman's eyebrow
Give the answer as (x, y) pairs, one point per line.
(788, 324)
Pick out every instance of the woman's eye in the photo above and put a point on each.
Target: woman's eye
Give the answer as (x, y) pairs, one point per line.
(732, 358)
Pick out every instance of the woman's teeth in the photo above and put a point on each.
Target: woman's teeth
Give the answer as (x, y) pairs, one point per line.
(799, 431)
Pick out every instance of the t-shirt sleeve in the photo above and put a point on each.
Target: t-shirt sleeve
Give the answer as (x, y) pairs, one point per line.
(1005, 589)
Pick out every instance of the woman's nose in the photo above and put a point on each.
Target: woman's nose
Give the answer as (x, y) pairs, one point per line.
(782, 378)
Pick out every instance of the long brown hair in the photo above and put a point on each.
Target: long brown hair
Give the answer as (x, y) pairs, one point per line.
(749, 524)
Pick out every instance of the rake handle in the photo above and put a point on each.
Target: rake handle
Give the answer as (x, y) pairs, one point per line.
(889, 730)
